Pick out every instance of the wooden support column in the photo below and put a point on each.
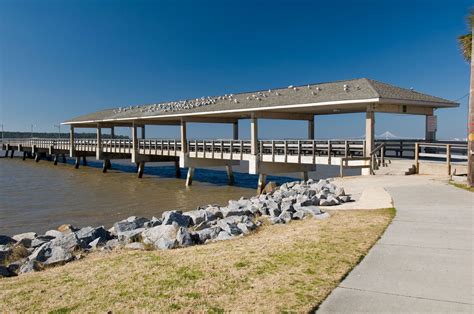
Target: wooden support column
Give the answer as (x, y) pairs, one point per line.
(189, 177)
(98, 151)
(37, 157)
(77, 162)
(56, 158)
(311, 129)
(262, 178)
(72, 146)
(235, 130)
(112, 132)
(143, 132)
(134, 143)
(141, 168)
(105, 166)
(254, 160)
(12, 153)
(184, 139)
(369, 137)
(24, 155)
(177, 169)
(430, 135)
(84, 161)
(64, 158)
(230, 175)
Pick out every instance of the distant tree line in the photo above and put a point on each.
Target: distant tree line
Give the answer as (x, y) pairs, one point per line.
(9, 134)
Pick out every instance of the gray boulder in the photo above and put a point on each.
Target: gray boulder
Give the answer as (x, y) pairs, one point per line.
(40, 240)
(153, 223)
(130, 236)
(58, 255)
(5, 252)
(312, 210)
(274, 212)
(238, 208)
(112, 244)
(208, 234)
(15, 266)
(89, 234)
(184, 237)
(29, 236)
(6, 240)
(223, 236)
(94, 244)
(54, 233)
(275, 220)
(68, 241)
(177, 217)
(162, 237)
(30, 266)
(322, 216)
(345, 198)
(299, 214)
(285, 217)
(215, 211)
(199, 216)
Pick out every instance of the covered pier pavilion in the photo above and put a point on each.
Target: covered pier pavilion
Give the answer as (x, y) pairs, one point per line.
(264, 157)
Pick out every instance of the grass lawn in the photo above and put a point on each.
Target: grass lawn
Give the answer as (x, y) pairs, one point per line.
(279, 268)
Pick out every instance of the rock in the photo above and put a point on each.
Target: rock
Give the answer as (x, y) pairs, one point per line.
(130, 236)
(30, 266)
(199, 216)
(339, 191)
(345, 198)
(208, 234)
(54, 233)
(135, 246)
(6, 240)
(313, 210)
(322, 216)
(329, 201)
(123, 226)
(40, 240)
(274, 212)
(184, 238)
(15, 266)
(237, 208)
(58, 255)
(152, 223)
(299, 214)
(5, 253)
(89, 234)
(285, 217)
(176, 216)
(94, 244)
(132, 223)
(270, 188)
(67, 228)
(27, 235)
(4, 272)
(162, 237)
(215, 211)
(69, 242)
(112, 244)
(243, 228)
(223, 236)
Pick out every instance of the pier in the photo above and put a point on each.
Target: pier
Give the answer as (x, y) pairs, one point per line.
(264, 157)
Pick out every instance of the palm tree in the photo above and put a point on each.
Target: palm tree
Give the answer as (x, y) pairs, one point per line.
(466, 42)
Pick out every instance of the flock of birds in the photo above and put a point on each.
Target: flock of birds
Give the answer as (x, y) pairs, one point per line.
(174, 106)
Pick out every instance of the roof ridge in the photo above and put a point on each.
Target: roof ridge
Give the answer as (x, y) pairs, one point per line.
(369, 83)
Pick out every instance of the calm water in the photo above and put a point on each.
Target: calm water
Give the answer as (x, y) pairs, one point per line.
(40, 196)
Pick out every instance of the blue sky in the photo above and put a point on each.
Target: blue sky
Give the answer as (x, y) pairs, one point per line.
(60, 59)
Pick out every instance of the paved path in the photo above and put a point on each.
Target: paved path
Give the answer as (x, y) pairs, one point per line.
(424, 260)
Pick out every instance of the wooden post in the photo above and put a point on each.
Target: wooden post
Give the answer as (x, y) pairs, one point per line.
(369, 132)
(78, 161)
(72, 145)
(37, 157)
(304, 175)
(430, 135)
(141, 168)
(230, 175)
(184, 139)
(448, 158)
(24, 155)
(235, 130)
(12, 153)
(112, 132)
(189, 177)
(134, 143)
(311, 129)
(417, 156)
(254, 158)
(56, 157)
(143, 132)
(84, 161)
(261, 183)
(98, 150)
(177, 169)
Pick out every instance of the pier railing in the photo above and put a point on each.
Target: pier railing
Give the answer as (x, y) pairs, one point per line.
(441, 152)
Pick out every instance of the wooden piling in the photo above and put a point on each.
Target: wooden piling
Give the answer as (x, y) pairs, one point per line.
(77, 163)
(230, 175)
(141, 168)
(189, 177)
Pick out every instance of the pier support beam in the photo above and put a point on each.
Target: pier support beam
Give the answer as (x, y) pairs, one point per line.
(64, 160)
(72, 146)
(84, 161)
(37, 157)
(112, 132)
(78, 162)
(134, 143)
(24, 155)
(235, 130)
(430, 128)
(189, 177)
(105, 165)
(12, 153)
(56, 157)
(98, 151)
(369, 137)
(143, 132)
(141, 168)
(6, 153)
(262, 178)
(311, 129)
(230, 175)
(177, 169)
(253, 162)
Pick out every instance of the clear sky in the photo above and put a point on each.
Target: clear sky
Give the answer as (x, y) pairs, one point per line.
(60, 59)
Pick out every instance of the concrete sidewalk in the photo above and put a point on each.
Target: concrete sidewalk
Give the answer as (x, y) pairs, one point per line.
(424, 260)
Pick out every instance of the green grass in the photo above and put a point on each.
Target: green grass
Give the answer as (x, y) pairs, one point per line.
(462, 186)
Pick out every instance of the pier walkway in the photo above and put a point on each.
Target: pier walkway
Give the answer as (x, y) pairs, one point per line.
(423, 263)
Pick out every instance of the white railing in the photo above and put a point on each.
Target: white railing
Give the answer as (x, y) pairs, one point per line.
(444, 152)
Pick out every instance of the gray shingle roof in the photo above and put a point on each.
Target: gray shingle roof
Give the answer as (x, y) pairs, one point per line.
(350, 90)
